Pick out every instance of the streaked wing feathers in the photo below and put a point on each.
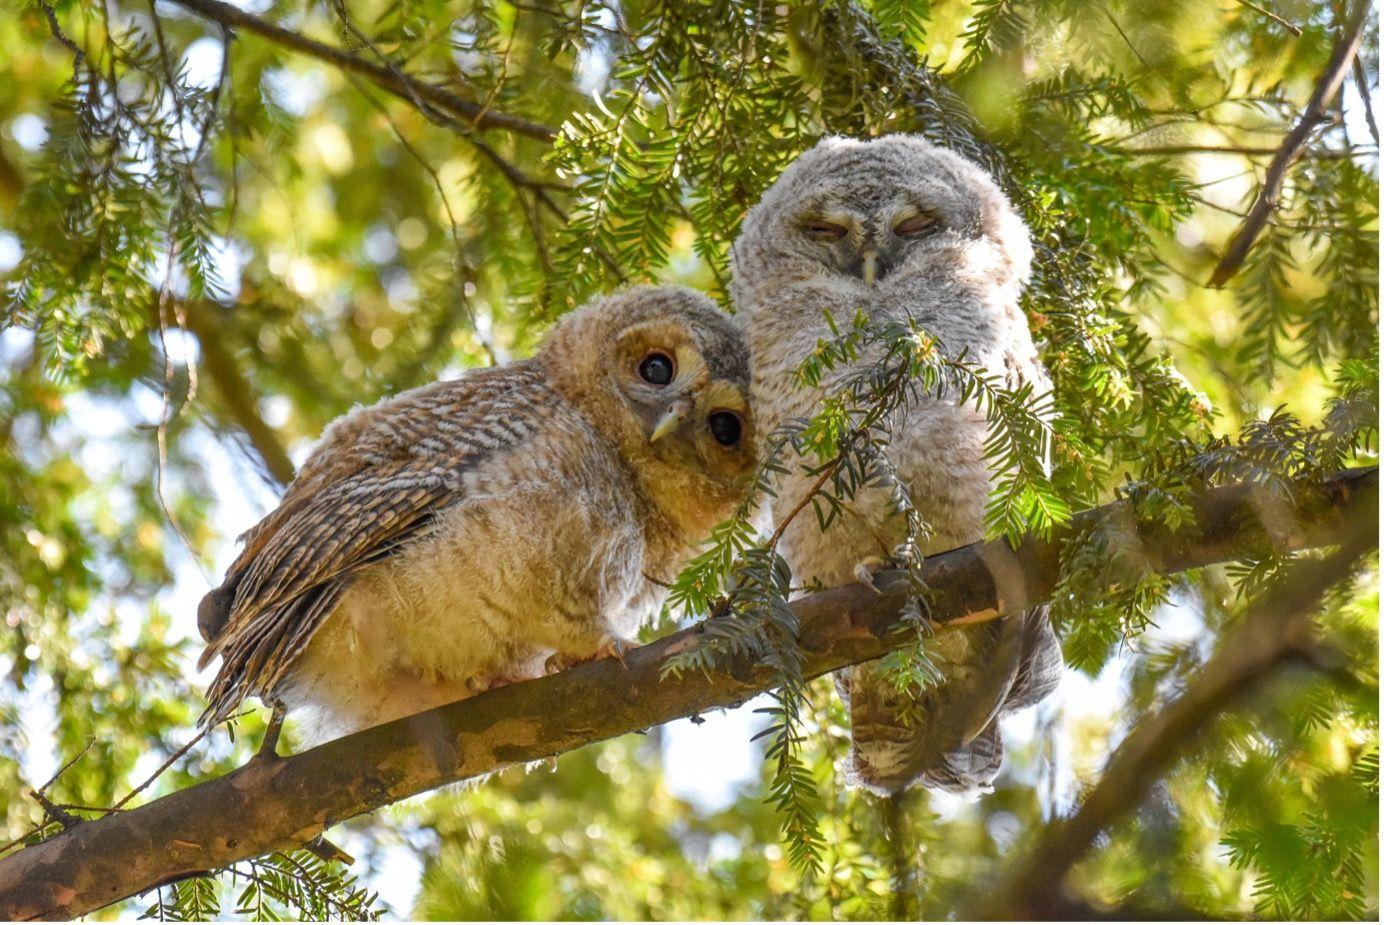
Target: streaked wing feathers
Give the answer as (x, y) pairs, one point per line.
(376, 481)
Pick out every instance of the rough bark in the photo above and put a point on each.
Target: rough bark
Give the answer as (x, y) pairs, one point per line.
(284, 802)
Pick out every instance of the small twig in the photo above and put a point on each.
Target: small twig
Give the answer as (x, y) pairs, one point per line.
(390, 78)
(1296, 30)
(163, 767)
(1267, 201)
(83, 808)
(834, 466)
(1118, 28)
(64, 769)
(36, 830)
(657, 581)
(831, 469)
(463, 266)
(1362, 85)
(167, 413)
(63, 817)
(503, 76)
(58, 34)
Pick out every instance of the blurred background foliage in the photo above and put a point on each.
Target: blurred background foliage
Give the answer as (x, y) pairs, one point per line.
(214, 242)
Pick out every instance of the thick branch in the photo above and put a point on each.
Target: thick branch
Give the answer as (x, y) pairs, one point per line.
(395, 81)
(279, 803)
(1279, 630)
(1267, 201)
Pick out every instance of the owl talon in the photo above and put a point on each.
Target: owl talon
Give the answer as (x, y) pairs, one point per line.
(268, 747)
(865, 570)
(616, 649)
(488, 682)
(613, 647)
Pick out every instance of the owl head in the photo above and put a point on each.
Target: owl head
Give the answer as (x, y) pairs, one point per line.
(665, 373)
(861, 210)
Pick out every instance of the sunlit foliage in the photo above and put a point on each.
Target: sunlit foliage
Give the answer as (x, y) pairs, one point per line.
(212, 243)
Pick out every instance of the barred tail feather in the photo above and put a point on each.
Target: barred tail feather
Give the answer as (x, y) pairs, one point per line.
(949, 739)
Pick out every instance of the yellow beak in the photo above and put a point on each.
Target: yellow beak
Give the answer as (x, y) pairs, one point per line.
(677, 412)
(869, 268)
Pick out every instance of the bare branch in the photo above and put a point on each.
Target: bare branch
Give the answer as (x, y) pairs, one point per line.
(1267, 200)
(1362, 86)
(58, 34)
(1264, 11)
(1246, 151)
(277, 803)
(390, 78)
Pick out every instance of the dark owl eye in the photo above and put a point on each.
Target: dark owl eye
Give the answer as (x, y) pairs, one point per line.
(725, 427)
(824, 231)
(920, 224)
(656, 369)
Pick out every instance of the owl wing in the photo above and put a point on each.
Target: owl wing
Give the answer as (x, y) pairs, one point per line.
(376, 482)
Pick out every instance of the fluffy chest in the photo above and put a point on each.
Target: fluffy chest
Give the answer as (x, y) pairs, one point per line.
(935, 444)
(539, 552)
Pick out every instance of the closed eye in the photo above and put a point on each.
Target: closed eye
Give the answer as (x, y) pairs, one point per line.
(824, 231)
(916, 226)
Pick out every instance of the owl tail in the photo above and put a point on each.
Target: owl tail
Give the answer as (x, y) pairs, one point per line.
(948, 739)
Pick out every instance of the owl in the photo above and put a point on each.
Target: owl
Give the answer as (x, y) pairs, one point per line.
(490, 528)
(899, 229)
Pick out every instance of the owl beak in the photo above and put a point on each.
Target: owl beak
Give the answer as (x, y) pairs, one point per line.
(869, 266)
(677, 412)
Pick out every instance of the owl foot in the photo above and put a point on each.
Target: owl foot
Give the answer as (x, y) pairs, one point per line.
(612, 647)
(491, 680)
(268, 747)
(865, 570)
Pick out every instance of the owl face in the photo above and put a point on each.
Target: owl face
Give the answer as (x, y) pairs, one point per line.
(866, 232)
(689, 414)
(671, 377)
(863, 209)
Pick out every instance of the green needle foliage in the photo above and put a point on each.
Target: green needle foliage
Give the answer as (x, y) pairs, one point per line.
(213, 241)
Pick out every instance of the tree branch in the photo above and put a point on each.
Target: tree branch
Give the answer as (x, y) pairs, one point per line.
(1267, 201)
(1278, 631)
(1263, 11)
(395, 81)
(235, 390)
(1362, 86)
(1245, 151)
(279, 803)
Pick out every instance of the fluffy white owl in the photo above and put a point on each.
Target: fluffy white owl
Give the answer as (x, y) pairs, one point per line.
(899, 228)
